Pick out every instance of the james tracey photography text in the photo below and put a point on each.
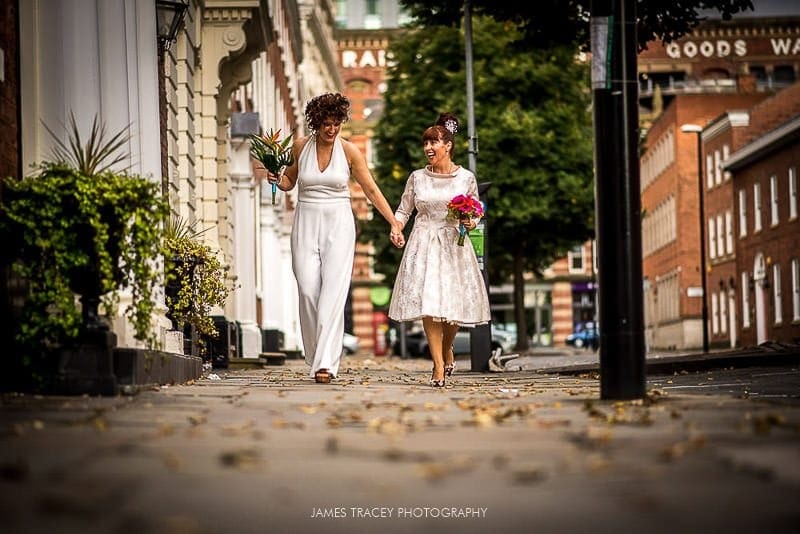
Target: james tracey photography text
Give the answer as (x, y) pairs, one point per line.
(388, 512)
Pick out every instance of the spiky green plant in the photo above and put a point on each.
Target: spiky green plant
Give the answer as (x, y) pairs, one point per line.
(76, 225)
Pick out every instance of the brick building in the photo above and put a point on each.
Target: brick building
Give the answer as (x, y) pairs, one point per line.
(572, 292)
(721, 77)
(763, 170)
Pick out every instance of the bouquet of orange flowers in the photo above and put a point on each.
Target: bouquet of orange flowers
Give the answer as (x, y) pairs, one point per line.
(273, 153)
(464, 206)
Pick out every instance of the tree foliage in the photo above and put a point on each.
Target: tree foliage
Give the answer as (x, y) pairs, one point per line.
(533, 121)
(547, 23)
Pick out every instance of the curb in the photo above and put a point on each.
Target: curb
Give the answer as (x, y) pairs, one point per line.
(758, 357)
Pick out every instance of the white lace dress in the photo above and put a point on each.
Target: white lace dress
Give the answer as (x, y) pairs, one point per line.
(437, 277)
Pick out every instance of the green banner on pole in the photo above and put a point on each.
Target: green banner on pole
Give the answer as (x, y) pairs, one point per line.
(476, 236)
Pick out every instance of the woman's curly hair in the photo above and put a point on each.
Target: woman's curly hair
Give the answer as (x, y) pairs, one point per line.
(326, 106)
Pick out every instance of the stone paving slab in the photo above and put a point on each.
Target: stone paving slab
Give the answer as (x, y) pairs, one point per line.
(267, 450)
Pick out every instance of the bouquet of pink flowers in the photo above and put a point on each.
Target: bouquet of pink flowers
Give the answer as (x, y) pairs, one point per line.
(464, 206)
(273, 153)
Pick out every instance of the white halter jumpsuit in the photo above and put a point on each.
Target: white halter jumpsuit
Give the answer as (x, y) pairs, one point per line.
(323, 244)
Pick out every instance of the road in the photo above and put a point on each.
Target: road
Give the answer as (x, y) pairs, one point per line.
(775, 384)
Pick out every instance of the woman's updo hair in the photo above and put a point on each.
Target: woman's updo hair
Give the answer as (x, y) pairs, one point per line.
(444, 130)
(334, 106)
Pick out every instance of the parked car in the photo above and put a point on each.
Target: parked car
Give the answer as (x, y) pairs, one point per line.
(586, 337)
(417, 343)
(351, 344)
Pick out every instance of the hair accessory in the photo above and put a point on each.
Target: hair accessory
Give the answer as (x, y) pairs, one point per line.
(451, 125)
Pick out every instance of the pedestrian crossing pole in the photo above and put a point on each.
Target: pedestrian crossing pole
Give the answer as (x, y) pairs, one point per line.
(617, 199)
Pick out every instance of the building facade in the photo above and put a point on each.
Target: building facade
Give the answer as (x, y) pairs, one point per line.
(716, 79)
(763, 168)
(190, 107)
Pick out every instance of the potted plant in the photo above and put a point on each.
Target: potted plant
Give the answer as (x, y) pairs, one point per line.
(195, 279)
(75, 225)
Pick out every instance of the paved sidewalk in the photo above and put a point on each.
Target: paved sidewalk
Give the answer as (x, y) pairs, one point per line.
(378, 450)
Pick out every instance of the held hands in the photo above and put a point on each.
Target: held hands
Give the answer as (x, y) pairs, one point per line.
(468, 223)
(273, 178)
(396, 235)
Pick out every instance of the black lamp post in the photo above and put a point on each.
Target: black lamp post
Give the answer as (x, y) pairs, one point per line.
(698, 130)
(169, 16)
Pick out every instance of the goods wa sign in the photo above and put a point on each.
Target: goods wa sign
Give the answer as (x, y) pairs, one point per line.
(778, 46)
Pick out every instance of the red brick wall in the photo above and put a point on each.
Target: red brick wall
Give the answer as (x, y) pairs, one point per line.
(9, 91)
(771, 113)
(721, 270)
(779, 244)
(681, 179)
(9, 153)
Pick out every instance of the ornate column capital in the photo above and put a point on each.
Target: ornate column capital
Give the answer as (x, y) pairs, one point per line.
(233, 35)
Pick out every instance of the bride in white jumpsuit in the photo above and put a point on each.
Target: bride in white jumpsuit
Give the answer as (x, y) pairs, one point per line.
(323, 234)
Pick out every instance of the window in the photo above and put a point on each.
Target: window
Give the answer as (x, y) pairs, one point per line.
(712, 240)
(776, 292)
(742, 213)
(717, 167)
(403, 18)
(756, 207)
(341, 13)
(710, 170)
(784, 74)
(720, 236)
(729, 232)
(744, 286)
(372, 20)
(370, 154)
(773, 199)
(714, 313)
(759, 72)
(575, 258)
(795, 290)
(726, 152)
(792, 193)
(723, 313)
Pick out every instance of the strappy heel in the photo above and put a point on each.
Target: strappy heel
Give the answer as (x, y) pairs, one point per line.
(450, 368)
(436, 383)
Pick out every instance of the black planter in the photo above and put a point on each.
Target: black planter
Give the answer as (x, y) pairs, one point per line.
(85, 366)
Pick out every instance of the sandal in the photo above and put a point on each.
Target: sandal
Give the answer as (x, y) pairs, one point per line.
(322, 376)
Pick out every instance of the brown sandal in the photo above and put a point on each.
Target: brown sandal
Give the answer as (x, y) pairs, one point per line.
(322, 376)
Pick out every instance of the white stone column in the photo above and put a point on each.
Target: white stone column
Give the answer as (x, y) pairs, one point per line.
(279, 305)
(244, 199)
(272, 306)
(288, 284)
(92, 58)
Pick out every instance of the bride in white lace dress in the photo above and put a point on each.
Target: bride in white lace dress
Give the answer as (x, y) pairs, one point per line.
(438, 281)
